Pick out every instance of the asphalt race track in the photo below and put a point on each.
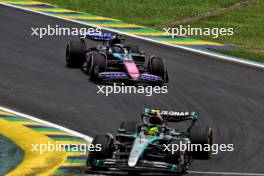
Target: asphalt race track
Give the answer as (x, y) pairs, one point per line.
(227, 96)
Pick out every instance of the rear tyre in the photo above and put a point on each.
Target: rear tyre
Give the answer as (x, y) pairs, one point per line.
(98, 64)
(75, 54)
(204, 136)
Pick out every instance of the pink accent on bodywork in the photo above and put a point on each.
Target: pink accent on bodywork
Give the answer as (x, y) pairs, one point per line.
(132, 70)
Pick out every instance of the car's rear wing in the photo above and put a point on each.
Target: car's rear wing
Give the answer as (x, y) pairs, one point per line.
(99, 36)
(172, 116)
(175, 116)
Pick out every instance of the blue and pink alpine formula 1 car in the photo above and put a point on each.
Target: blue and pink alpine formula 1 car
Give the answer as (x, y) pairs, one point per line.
(113, 61)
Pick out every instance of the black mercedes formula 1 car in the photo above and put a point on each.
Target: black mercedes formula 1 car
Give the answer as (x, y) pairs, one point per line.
(113, 61)
(152, 145)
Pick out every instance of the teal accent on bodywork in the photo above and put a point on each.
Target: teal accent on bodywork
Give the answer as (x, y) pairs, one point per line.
(120, 130)
(155, 139)
(175, 133)
(194, 115)
(152, 140)
(123, 57)
(98, 162)
(173, 168)
(140, 144)
(146, 111)
(118, 56)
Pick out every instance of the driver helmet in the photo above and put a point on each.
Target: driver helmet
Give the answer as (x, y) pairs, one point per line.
(153, 131)
(117, 48)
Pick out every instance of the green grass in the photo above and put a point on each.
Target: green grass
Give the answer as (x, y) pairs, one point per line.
(248, 24)
(144, 12)
(248, 21)
(245, 53)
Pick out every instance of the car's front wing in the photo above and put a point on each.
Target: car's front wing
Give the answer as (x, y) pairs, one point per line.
(142, 166)
(123, 77)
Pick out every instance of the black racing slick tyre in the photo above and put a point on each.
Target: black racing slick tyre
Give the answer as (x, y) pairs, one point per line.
(98, 64)
(106, 150)
(202, 136)
(75, 54)
(106, 143)
(129, 126)
(157, 67)
(176, 156)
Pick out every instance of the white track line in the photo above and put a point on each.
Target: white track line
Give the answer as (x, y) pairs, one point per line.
(222, 57)
(87, 138)
(225, 173)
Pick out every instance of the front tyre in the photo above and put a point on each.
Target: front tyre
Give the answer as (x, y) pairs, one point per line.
(106, 144)
(157, 67)
(98, 64)
(178, 157)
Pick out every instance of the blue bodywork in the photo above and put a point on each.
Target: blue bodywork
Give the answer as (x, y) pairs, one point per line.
(99, 36)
